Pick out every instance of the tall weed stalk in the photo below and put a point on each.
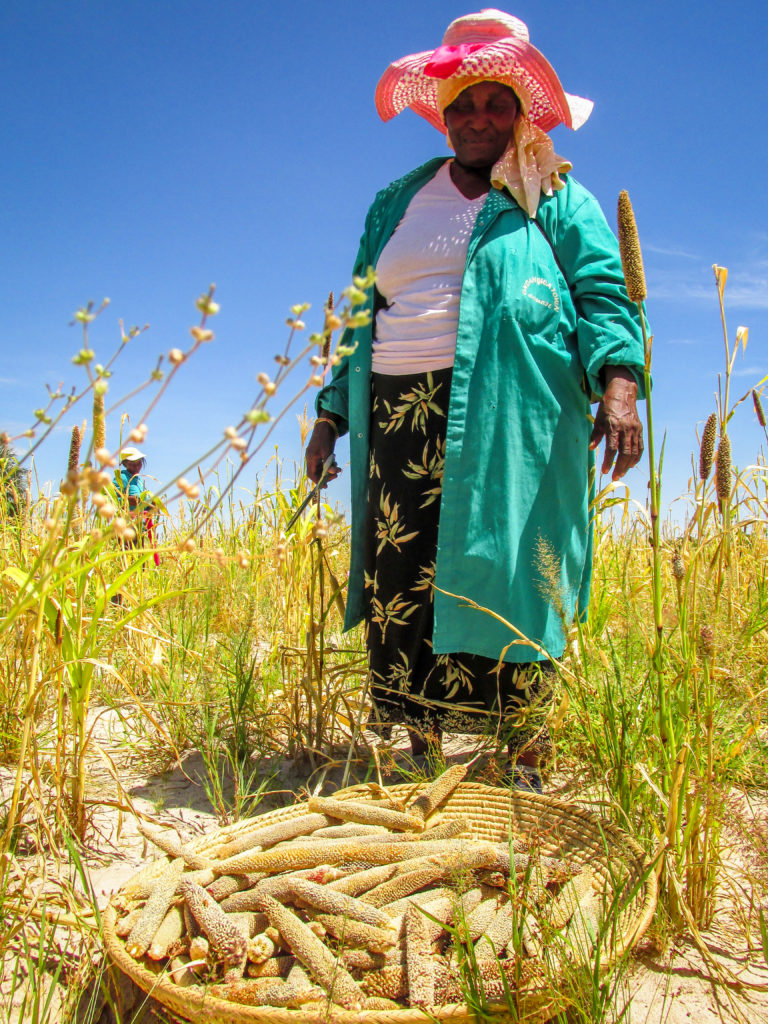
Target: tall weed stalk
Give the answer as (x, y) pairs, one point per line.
(665, 761)
(80, 605)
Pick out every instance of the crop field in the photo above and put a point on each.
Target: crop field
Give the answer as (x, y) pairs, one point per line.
(212, 653)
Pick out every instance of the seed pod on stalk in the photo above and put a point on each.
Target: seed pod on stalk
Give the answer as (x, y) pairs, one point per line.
(99, 422)
(678, 566)
(723, 470)
(629, 247)
(73, 462)
(707, 450)
(706, 641)
(759, 411)
(327, 341)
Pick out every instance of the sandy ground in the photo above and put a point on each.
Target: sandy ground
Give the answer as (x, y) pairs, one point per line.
(669, 982)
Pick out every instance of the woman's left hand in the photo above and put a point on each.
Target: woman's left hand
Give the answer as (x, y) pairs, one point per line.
(617, 420)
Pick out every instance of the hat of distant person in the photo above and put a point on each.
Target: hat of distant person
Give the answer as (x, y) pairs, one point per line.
(131, 454)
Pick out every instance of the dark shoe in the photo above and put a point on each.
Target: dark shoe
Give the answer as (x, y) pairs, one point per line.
(524, 777)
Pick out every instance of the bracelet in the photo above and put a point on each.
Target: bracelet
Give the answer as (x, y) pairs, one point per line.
(324, 419)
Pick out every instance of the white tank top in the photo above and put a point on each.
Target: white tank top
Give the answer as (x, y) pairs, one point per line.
(419, 273)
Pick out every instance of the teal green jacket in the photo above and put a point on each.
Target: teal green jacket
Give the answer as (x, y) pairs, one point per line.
(515, 534)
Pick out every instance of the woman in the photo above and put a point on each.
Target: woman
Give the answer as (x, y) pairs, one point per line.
(499, 306)
(128, 477)
(131, 488)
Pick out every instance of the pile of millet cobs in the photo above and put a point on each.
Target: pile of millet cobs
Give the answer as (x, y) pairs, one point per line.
(367, 904)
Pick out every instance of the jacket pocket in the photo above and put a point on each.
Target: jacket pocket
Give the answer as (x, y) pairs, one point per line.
(532, 296)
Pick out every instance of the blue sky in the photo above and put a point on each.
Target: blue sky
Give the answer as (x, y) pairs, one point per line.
(151, 148)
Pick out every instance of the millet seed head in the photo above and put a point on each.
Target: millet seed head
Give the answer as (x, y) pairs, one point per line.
(328, 328)
(330, 901)
(74, 448)
(678, 566)
(171, 930)
(706, 641)
(405, 884)
(155, 909)
(313, 953)
(759, 411)
(629, 247)
(568, 899)
(419, 967)
(365, 813)
(438, 791)
(499, 932)
(723, 469)
(222, 933)
(707, 450)
(99, 422)
(357, 933)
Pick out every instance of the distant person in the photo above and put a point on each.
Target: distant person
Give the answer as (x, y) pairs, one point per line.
(499, 308)
(128, 476)
(131, 487)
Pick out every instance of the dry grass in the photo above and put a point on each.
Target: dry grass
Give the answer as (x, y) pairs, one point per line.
(232, 646)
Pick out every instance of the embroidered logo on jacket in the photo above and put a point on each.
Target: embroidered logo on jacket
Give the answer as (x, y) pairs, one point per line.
(537, 284)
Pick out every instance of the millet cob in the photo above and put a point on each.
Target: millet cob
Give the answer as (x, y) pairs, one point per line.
(270, 835)
(422, 872)
(478, 920)
(275, 967)
(226, 885)
(366, 814)
(583, 927)
(277, 992)
(500, 932)
(562, 908)
(155, 909)
(168, 841)
(313, 954)
(319, 897)
(362, 881)
(226, 939)
(348, 830)
(419, 964)
(171, 930)
(309, 855)
(180, 971)
(448, 829)
(353, 934)
(426, 802)
(421, 899)
(273, 885)
(260, 948)
(125, 924)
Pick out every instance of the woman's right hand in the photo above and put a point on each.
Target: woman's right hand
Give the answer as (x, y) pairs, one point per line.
(321, 445)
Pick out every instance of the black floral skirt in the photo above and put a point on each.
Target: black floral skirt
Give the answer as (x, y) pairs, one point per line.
(409, 683)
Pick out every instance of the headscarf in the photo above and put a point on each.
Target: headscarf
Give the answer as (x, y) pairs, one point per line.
(529, 166)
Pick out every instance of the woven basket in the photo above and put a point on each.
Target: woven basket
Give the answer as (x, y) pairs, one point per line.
(560, 829)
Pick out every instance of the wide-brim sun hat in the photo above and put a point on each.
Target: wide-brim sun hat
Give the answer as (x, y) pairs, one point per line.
(490, 44)
(131, 454)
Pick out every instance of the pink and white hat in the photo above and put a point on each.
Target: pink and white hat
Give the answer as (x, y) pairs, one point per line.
(489, 45)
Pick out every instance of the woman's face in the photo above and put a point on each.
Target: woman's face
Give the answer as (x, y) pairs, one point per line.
(133, 466)
(480, 123)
